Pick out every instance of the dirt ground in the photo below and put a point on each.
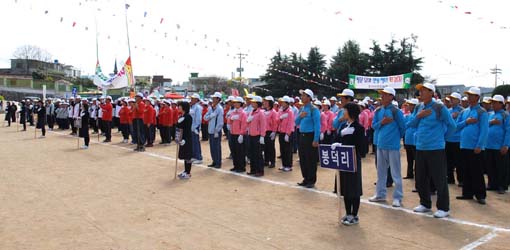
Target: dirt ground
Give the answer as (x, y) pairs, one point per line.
(56, 196)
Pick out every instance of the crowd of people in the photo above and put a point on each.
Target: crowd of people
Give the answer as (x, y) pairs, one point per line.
(445, 140)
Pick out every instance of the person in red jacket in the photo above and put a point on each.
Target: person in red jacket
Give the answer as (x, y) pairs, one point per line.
(138, 127)
(107, 109)
(149, 120)
(205, 124)
(165, 119)
(124, 121)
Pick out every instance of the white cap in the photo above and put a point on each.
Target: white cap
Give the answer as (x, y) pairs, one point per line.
(333, 99)
(195, 96)
(78, 97)
(394, 103)
(230, 98)
(427, 85)
(131, 100)
(363, 104)
(473, 91)
(256, 99)
(318, 103)
(464, 98)
(347, 92)
(238, 99)
(326, 102)
(269, 98)
(139, 95)
(413, 101)
(455, 95)
(387, 90)
(486, 99)
(291, 100)
(249, 96)
(307, 92)
(498, 98)
(109, 97)
(217, 95)
(94, 99)
(286, 99)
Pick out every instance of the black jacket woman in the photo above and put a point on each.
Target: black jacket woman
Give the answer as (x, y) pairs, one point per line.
(41, 117)
(351, 133)
(84, 130)
(184, 139)
(23, 115)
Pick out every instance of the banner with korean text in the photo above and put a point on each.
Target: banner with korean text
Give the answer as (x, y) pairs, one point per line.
(380, 82)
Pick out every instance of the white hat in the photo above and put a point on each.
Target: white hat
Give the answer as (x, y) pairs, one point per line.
(249, 96)
(238, 99)
(413, 101)
(464, 98)
(269, 98)
(230, 98)
(394, 103)
(109, 97)
(287, 99)
(498, 98)
(333, 99)
(94, 99)
(427, 85)
(307, 92)
(256, 99)
(195, 96)
(473, 91)
(139, 94)
(78, 97)
(387, 90)
(363, 104)
(326, 102)
(455, 95)
(131, 100)
(486, 99)
(347, 92)
(217, 95)
(291, 100)
(318, 103)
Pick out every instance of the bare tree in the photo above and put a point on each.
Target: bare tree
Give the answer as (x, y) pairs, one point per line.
(32, 52)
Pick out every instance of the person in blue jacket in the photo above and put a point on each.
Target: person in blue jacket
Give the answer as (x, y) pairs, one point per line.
(409, 138)
(497, 147)
(433, 123)
(389, 123)
(474, 126)
(453, 143)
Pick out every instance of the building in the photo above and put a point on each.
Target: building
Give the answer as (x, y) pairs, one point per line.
(29, 66)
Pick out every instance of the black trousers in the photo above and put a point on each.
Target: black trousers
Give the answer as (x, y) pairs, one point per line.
(351, 205)
(474, 182)
(116, 122)
(308, 158)
(431, 166)
(238, 153)
(497, 169)
(51, 121)
(93, 124)
(285, 150)
(164, 133)
(124, 128)
(71, 122)
(101, 125)
(172, 133)
(86, 140)
(269, 149)
(108, 129)
(205, 133)
(256, 162)
(150, 133)
(411, 155)
(187, 166)
(453, 162)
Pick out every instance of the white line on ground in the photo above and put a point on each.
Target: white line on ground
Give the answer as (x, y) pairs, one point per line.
(292, 185)
(482, 240)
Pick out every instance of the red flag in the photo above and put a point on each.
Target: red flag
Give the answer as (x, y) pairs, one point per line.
(467, 12)
(160, 22)
(74, 24)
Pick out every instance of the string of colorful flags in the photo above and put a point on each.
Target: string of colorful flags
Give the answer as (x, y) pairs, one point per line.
(469, 12)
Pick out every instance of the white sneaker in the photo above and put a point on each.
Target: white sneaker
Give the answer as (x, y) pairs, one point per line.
(421, 209)
(396, 203)
(441, 214)
(184, 175)
(375, 198)
(84, 147)
(196, 162)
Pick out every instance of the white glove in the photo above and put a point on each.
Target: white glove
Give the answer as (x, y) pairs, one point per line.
(329, 132)
(240, 139)
(335, 145)
(284, 116)
(182, 142)
(321, 137)
(286, 138)
(347, 131)
(273, 136)
(234, 117)
(180, 119)
(216, 135)
(250, 118)
(196, 131)
(261, 140)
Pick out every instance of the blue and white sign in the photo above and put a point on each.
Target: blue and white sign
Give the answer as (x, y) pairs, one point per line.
(74, 91)
(342, 158)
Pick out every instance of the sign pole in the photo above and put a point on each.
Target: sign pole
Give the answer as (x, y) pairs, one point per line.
(176, 160)
(339, 195)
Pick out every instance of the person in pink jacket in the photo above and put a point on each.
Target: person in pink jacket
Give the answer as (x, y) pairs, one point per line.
(285, 130)
(271, 129)
(256, 130)
(365, 120)
(327, 118)
(238, 126)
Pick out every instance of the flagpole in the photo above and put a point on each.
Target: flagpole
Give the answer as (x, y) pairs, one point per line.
(129, 46)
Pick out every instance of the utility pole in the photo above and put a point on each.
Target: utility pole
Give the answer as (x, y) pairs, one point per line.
(240, 69)
(495, 71)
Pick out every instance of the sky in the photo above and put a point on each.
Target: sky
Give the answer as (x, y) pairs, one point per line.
(175, 38)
